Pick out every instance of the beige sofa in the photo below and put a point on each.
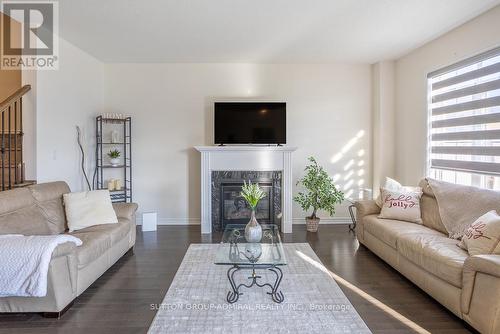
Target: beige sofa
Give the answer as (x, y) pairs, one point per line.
(469, 286)
(38, 210)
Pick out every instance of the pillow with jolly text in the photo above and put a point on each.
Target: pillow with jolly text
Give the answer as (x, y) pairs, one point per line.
(401, 205)
(483, 235)
(391, 184)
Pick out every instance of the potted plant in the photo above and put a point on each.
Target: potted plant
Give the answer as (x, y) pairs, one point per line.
(114, 157)
(252, 193)
(320, 193)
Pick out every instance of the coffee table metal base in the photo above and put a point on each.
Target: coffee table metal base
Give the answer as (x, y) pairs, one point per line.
(276, 295)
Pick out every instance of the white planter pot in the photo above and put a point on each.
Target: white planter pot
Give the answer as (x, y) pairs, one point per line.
(114, 162)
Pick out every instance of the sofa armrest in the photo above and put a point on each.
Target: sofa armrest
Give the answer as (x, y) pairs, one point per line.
(64, 249)
(365, 208)
(125, 210)
(63, 268)
(480, 300)
(486, 264)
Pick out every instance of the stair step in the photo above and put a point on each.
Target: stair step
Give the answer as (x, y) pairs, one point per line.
(24, 184)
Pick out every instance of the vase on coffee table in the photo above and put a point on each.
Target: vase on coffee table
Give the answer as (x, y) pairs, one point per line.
(253, 230)
(252, 194)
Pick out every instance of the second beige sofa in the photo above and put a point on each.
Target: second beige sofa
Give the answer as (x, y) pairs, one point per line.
(38, 210)
(469, 286)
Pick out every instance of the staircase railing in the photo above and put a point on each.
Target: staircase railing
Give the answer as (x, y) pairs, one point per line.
(11, 140)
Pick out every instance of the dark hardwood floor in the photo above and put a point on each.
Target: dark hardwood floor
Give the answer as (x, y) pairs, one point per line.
(119, 301)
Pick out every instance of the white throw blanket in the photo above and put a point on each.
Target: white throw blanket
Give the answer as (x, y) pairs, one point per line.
(24, 263)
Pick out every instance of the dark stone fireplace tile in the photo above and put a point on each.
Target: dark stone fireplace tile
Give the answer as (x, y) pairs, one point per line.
(229, 208)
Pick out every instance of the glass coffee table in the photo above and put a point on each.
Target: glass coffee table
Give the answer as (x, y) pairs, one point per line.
(267, 254)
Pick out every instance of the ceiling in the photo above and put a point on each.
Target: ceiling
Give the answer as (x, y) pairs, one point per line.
(259, 31)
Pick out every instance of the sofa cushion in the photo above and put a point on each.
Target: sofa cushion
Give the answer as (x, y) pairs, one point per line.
(430, 209)
(430, 214)
(12, 200)
(401, 205)
(483, 236)
(94, 245)
(48, 197)
(115, 231)
(393, 185)
(460, 206)
(89, 208)
(20, 215)
(27, 221)
(437, 254)
(98, 239)
(388, 230)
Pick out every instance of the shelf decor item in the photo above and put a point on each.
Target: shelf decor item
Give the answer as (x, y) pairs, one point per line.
(114, 133)
(320, 193)
(252, 193)
(114, 157)
(115, 137)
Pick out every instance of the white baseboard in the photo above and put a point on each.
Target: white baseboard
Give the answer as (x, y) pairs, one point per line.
(173, 221)
(196, 221)
(331, 220)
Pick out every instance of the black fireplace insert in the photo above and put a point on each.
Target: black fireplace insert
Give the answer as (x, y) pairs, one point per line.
(228, 207)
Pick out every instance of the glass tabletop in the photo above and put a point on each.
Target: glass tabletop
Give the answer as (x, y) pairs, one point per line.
(235, 250)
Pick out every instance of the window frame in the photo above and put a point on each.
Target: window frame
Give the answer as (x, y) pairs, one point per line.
(430, 170)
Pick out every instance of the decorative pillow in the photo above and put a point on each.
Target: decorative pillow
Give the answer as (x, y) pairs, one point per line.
(88, 208)
(391, 184)
(483, 235)
(401, 205)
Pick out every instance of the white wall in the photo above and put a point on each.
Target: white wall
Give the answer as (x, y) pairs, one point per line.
(476, 36)
(29, 125)
(328, 106)
(383, 99)
(329, 115)
(70, 96)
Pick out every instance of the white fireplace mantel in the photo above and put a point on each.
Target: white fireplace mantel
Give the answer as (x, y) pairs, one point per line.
(245, 158)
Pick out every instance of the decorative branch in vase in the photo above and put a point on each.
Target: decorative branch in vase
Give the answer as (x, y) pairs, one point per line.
(319, 193)
(252, 193)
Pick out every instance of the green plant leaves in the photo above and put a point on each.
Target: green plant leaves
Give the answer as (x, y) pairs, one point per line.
(252, 193)
(320, 191)
(114, 154)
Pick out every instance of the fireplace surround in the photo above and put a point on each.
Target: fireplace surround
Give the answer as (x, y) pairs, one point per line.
(228, 207)
(246, 158)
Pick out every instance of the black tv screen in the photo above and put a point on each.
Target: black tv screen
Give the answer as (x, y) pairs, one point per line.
(250, 123)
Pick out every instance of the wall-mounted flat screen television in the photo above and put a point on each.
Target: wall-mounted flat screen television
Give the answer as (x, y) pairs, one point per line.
(250, 123)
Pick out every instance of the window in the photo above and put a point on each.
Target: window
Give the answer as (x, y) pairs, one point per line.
(464, 122)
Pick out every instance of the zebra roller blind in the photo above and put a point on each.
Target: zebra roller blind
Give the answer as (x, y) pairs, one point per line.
(464, 107)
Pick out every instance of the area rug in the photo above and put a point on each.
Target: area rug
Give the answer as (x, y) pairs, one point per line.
(196, 301)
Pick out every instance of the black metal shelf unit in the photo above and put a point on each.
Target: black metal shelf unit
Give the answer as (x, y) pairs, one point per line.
(125, 146)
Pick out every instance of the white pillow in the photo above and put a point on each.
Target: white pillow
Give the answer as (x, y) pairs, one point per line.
(483, 235)
(401, 205)
(391, 184)
(88, 208)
